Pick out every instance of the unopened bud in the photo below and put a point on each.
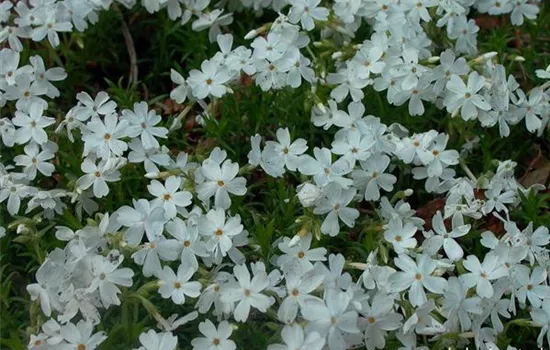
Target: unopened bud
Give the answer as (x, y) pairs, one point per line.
(23, 229)
(359, 266)
(485, 56)
(251, 34)
(152, 175)
(433, 59)
(336, 55)
(321, 107)
(294, 241)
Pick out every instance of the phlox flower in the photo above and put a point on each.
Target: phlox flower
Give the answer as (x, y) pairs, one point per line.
(169, 196)
(220, 181)
(247, 293)
(416, 276)
(177, 286)
(214, 338)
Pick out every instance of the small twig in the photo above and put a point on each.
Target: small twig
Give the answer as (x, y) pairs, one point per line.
(531, 166)
(145, 92)
(132, 80)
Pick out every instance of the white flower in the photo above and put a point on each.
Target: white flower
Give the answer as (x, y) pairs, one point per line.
(106, 277)
(439, 157)
(188, 236)
(44, 289)
(271, 48)
(98, 175)
(218, 231)
(34, 160)
(496, 199)
(532, 107)
(94, 108)
(5, 10)
(142, 219)
(400, 236)
(466, 97)
(149, 157)
(141, 122)
(31, 125)
(70, 123)
(10, 66)
(370, 60)
(541, 317)
(178, 286)
(371, 177)
(531, 287)
(465, 31)
(416, 276)
(209, 80)
(416, 149)
(419, 9)
(290, 152)
(80, 336)
(214, 338)
(49, 26)
(305, 11)
(353, 145)
(42, 77)
(102, 137)
(335, 278)
(7, 132)
(543, 73)
(447, 239)
(335, 204)
(294, 338)
(422, 322)
(14, 192)
(150, 254)
(301, 253)
(220, 181)
(169, 195)
(409, 70)
(522, 8)
(308, 194)
(152, 340)
(331, 319)
(496, 306)
(173, 322)
(211, 20)
(181, 92)
(380, 318)
(247, 292)
(241, 59)
(298, 285)
(481, 275)
(457, 307)
(323, 169)
(448, 66)
(349, 83)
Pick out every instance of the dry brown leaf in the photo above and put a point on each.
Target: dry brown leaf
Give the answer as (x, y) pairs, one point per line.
(538, 174)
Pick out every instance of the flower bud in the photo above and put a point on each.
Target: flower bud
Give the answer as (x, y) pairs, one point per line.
(251, 34)
(152, 175)
(308, 194)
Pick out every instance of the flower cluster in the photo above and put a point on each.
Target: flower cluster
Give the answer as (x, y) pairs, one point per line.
(421, 283)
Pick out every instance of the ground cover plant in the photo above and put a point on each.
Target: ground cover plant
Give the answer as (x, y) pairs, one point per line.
(274, 174)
